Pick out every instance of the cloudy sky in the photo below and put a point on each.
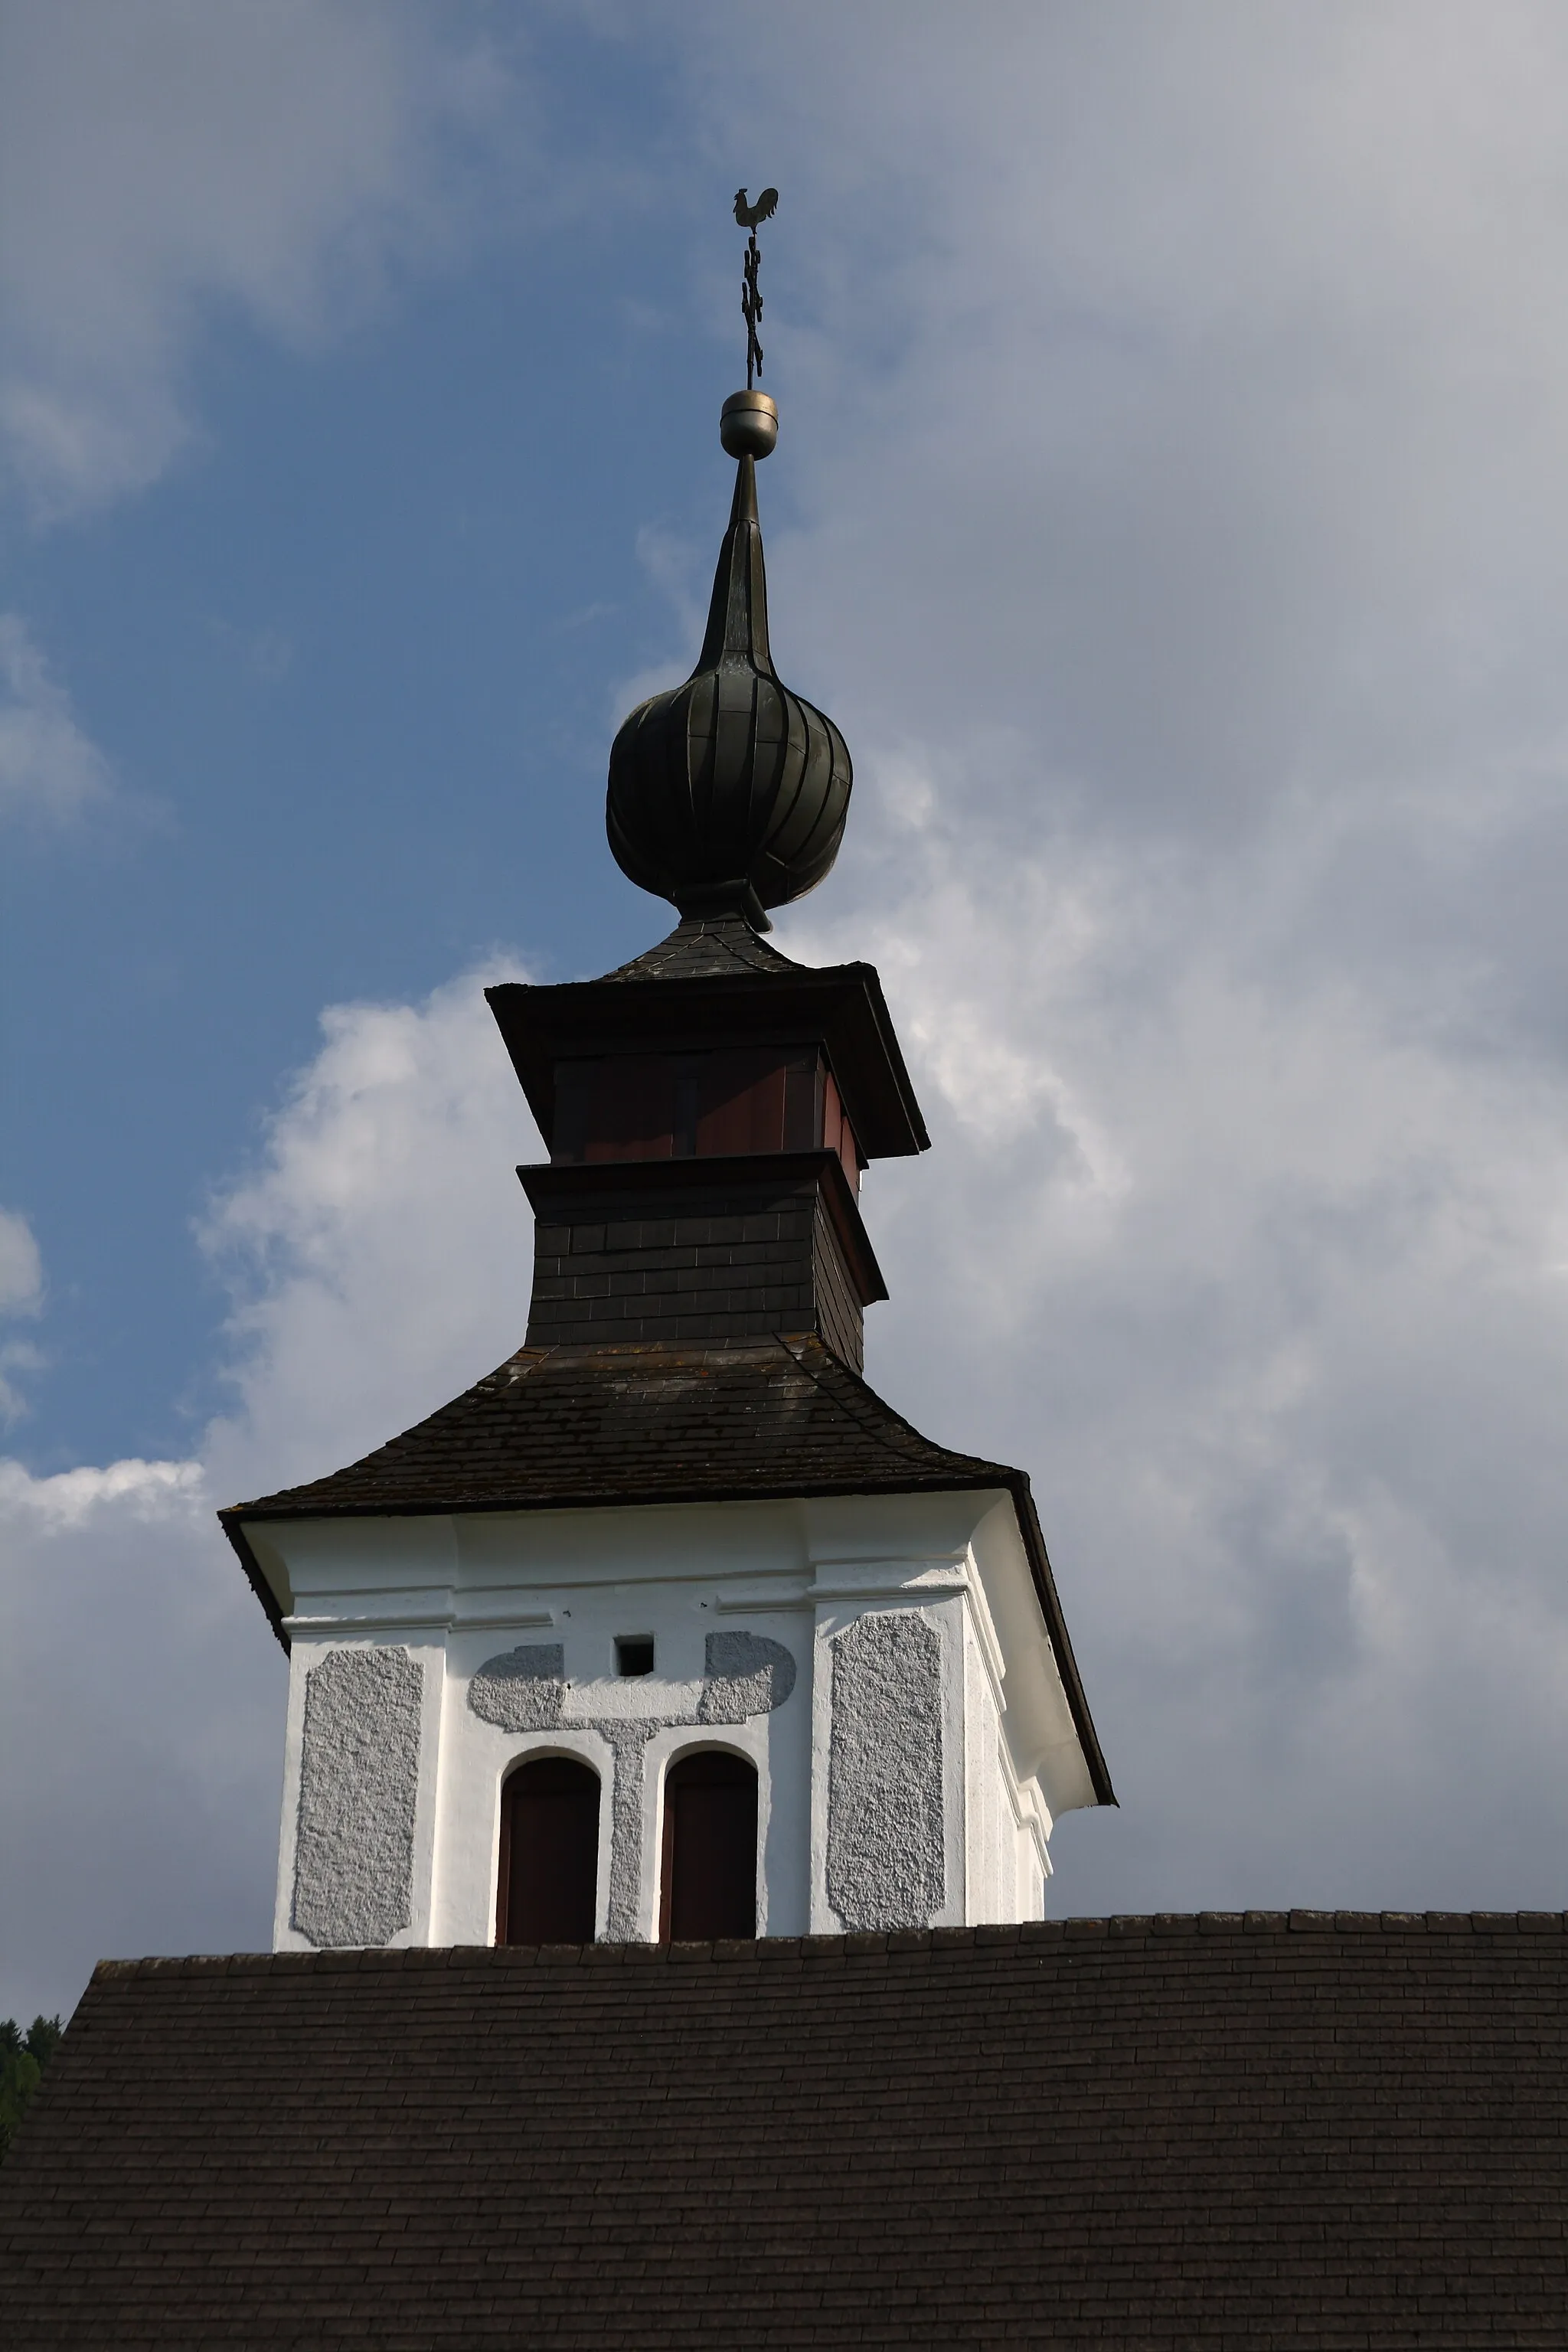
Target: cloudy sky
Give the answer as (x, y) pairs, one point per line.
(1171, 507)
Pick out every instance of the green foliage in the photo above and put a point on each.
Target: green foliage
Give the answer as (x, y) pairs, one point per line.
(23, 2057)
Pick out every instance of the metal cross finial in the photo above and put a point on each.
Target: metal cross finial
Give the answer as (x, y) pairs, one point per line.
(748, 215)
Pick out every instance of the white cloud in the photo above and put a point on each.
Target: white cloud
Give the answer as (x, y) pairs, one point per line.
(381, 1256)
(161, 157)
(1260, 1284)
(1215, 436)
(140, 1698)
(135, 1721)
(1186, 574)
(21, 1294)
(48, 766)
(21, 1267)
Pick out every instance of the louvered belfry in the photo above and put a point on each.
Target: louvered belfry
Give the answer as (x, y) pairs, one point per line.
(728, 794)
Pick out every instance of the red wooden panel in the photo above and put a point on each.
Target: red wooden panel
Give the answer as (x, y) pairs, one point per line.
(709, 1875)
(742, 1102)
(550, 1853)
(803, 1104)
(574, 1095)
(634, 1113)
(837, 1132)
(619, 1106)
(657, 1105)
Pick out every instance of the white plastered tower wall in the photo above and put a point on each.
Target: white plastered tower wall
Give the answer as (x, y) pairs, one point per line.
(882, 1661)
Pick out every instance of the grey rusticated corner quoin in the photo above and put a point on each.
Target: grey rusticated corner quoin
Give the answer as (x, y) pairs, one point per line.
(353, 1854)
(682, 1462)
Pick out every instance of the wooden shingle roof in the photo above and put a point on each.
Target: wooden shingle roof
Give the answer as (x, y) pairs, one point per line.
(1225, 2133)
(644, 1423)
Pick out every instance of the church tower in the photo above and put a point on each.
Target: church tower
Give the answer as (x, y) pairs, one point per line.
(671, 1627)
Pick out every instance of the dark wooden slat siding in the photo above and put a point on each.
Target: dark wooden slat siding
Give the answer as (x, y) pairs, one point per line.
(693, 1250)
(838, 1309)
(694, 1268)
(1220, 2133)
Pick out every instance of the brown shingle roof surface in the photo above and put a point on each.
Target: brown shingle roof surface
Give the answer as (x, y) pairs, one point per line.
(659, 1422)
(1217, 2133)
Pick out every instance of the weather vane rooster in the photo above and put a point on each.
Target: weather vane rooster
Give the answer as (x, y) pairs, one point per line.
(748, 216)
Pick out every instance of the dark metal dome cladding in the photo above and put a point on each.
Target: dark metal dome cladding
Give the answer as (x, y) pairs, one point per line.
(728, 793)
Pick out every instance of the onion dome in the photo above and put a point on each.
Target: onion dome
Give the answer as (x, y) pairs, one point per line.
(728, 794)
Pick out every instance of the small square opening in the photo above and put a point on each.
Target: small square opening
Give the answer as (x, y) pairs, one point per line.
(634, 1654)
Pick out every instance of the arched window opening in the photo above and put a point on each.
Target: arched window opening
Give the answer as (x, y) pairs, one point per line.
(709, 1876)
(549, 1853)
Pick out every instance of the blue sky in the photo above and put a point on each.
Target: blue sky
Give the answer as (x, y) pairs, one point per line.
(350, 661)
(1170, 508)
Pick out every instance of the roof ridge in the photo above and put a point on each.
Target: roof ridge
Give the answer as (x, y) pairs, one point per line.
(1258, 2133)
(1111, 1925)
